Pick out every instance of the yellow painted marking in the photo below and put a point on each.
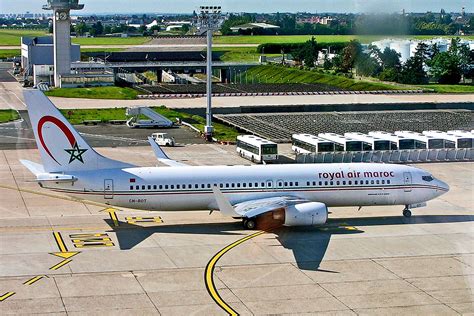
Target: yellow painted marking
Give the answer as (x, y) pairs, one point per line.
(60, 241)
(65, 255)
(91, 240)
(87, 235)
(6, 295)
(113, 215)
(76, 241)
(59, 265)
(33, 280)
(139, 219)
(209, 273)
(90, 245)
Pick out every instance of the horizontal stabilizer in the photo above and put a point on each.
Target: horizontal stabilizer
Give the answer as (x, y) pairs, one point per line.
(55, 177)
(34, 167)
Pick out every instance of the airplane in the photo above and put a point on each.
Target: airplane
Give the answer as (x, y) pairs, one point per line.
(290, 194)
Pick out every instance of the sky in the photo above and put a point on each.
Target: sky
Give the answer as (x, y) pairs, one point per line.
(187, 6)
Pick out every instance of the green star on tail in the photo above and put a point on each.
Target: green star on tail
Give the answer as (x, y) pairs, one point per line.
(76, 153)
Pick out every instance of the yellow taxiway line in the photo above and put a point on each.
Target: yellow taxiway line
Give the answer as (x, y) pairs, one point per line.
(59, 265)
(6, 295)
(33, 280)
(209, 273)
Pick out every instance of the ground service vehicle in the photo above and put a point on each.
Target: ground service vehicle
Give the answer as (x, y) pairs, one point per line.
(163, 139)
(256, 149)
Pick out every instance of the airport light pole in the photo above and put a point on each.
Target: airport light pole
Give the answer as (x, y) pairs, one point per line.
(208, 21)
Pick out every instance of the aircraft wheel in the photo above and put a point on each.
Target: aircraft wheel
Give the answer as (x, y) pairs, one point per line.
(250, 223)
(407, 213)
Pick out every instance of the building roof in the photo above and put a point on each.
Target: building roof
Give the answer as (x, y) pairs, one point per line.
(248, 26)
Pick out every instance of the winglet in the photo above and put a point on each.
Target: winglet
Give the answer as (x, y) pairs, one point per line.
(161, 155)
(223, 203)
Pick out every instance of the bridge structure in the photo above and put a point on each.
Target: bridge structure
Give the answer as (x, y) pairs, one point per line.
(226, 70)
(189, 62)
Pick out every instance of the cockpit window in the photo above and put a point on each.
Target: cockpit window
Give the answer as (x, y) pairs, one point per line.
(427, 178)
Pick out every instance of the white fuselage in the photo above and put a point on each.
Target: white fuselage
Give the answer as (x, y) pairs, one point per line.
(190, 188)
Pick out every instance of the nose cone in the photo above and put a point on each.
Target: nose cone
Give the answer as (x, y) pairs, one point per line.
(443, 187)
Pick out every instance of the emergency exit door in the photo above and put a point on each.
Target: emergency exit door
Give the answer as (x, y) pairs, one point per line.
(407, 181)
(108, 189)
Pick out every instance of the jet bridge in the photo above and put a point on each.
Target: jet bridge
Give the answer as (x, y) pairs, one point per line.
(154, 119)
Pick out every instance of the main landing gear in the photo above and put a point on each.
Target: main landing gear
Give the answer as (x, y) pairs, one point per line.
(249, 223)
(406, 212)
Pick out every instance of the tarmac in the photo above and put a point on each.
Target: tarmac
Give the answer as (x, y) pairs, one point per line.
(59, 256)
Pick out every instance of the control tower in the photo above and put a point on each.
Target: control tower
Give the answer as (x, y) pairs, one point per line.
(62, 35)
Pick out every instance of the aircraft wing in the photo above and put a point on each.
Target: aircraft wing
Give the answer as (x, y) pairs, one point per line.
(253, 208)
(162, 157)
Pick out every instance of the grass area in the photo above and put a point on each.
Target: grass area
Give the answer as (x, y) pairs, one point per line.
(117, 93)
(260, 39)
(8, 53)
(110, 40)
(449, 88)
(11, 37)
(78, 116)
(222, 132)
(240, 54)
(8, 115)
(280, 74)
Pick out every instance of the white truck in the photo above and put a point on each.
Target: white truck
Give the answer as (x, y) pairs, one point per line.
(163, 139)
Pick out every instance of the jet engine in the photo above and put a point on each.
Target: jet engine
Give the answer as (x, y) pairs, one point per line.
(305, 214)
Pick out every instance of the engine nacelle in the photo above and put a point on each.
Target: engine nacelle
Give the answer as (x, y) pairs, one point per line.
(305, 214)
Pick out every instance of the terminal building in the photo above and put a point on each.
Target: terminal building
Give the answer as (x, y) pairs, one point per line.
(40, 51)
(37, 62)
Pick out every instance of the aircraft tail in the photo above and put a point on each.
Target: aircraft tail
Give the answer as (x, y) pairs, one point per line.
(61, 147)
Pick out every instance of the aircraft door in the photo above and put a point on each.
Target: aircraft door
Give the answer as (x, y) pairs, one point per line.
(108, 189)
(407, 181)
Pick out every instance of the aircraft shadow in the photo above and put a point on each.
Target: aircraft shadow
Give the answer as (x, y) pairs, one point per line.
(308, 244)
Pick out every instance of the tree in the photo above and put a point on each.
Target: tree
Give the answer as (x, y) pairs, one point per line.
(446, 69)
(350, 53)
(107, 29)
(366, 65)
(308, 52)
(390, 59)
(413, 71)
(185, 29)
(98, 28)
(423, 52)
(81, 28)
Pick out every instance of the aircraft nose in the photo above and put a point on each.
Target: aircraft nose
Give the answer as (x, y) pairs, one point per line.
(443, 186)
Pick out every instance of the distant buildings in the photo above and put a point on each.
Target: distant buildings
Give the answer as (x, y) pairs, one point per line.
(315, 20)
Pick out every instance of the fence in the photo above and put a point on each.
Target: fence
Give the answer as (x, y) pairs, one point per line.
(392, 156)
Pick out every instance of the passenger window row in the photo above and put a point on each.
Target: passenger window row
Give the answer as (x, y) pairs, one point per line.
(198, 186)
(281, 184)
(349, 182)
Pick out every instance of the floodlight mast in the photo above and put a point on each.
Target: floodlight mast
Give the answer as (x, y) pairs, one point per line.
(208, 21)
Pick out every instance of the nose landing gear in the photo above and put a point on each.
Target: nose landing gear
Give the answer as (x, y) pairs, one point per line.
(406, 212)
